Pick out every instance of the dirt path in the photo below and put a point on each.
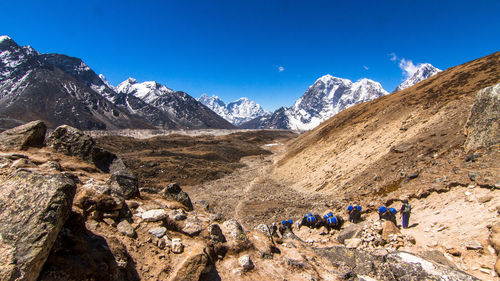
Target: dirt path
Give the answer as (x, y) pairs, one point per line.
(252, 197)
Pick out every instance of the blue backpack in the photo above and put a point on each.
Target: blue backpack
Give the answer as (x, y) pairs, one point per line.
(382, 209)
(311, 219)
(330, 214)
(350, 208)
(331, 220)
(392, 210)
(359, 208)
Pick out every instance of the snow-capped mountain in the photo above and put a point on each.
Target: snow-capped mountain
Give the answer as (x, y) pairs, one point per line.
(63, 90)
(181, 108)
(424, 71)
(326, 97)
(236, 112)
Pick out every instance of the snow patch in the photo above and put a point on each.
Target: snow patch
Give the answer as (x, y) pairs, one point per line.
(4, 38)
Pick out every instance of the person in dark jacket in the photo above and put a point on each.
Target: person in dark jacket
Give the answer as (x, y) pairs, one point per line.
(405, 213)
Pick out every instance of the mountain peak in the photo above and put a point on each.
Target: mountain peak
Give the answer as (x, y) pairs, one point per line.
(424, 71)
(131, 80)
(5, 38)
(236, 112)
(329, 79)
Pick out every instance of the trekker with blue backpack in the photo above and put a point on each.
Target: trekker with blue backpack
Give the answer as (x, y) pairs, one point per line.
(405, 213)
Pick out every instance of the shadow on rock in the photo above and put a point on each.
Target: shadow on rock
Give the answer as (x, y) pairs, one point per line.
(78, 254)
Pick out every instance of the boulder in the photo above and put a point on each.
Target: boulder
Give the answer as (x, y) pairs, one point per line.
(388, 229)
(125, 228)
(192, 226)
(158, 231)
(245, 262)
(473, 245)
(71, 141)
(497, 266)
(263, 228)
(177, 246)
(494, 237)
(33, 209)
(193, 265)
(124, 184)
(174, 192)
(393, 266)
(154, 215)
(483, 126)
(22, 137)
(235, 229)
(353, 243)
(216, 234)
(353, 230)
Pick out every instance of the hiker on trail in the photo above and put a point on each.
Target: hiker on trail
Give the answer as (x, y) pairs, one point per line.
(273, 228)
(311, 221)
(405, 213)
(285, 225)
(382, 212)
(392, 215)
(354, 213)
(333, 222)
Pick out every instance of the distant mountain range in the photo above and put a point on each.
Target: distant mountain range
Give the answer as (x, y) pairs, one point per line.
(236, 112)
(328, 96)
(63, 90)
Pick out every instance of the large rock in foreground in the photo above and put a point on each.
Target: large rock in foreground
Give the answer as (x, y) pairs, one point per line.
(483, 127)
(71, 141)
(33, 208)
(393, 266)
(31, 134)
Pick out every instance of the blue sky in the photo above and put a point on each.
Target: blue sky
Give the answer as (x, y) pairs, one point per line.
(269, 51)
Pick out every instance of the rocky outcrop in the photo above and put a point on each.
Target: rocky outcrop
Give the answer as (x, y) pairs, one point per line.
(193, 264)
(33, 209)
(31, 134)
(391, 266)
(494, 240)
(174, 192)
(71, 141)
(483, 126)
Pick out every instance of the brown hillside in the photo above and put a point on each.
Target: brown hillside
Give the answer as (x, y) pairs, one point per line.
(374, 147)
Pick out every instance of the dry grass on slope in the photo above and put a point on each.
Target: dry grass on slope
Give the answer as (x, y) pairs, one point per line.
(371, 147)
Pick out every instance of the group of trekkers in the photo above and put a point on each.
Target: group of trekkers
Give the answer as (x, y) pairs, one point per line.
(330, 221)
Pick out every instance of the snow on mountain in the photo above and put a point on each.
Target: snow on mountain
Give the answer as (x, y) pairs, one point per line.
(326, 97)
(236, 112)
(181, 108)
(424, 71)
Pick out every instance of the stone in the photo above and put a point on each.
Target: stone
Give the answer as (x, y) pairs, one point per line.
(497, 266)
(71, 141)
(389, 228)
(125, 228)
(125, 184)
(177, 246)
(494, 237)
(473, 245)
(192, 226)
(485, 199)
(216, 234)
(154, 215)
(484, 121)
(246, 262)
(158, 231)
(472, 176)
(21, 163)
(33, 209)
(178, 214)
(31, 134)
(454, 252)
(193, 265)
(235, 229)
(51, 165)
(353, 230)
(263, 228)
(411, 239)
(174, 192)
(412, 175)
(353, 243)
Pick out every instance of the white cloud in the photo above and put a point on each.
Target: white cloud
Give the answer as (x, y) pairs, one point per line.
(365, 67)
(281, 68)
(408, 67)
(393, 56)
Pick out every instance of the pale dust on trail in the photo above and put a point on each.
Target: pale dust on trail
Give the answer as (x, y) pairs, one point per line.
(252, 196)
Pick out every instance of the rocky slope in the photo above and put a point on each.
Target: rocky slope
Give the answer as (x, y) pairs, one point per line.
(113, 232)
(380, 147)
(236, 112)
(424, 71)
(64, 90)
(326, 97)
